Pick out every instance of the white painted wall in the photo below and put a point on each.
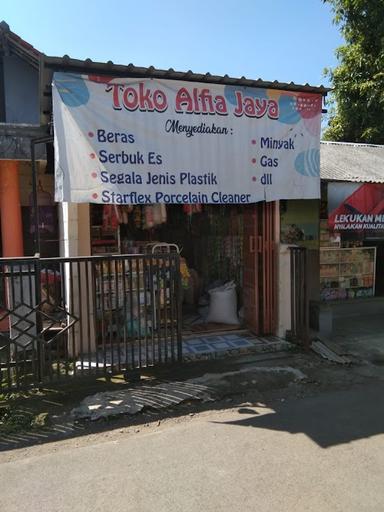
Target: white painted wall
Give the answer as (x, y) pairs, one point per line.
(74, 228)
(283, 280)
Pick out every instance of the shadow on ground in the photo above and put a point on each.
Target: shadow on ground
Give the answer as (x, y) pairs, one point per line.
(329, 419)
(146, 403)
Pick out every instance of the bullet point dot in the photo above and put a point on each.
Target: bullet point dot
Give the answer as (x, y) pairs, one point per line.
(95, 196)
(253, 141)
(92, 155)
(253, 160)
(94, 175)
(254, 178)
(90, 134)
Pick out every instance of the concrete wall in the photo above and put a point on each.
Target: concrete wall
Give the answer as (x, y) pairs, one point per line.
(283, 278)
(74, 226)
(75, 241)
(283, 290)
(46, 180)
(297, 215)
(84, 230)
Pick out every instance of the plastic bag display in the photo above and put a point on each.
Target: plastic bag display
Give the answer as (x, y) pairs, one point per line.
(223, 305)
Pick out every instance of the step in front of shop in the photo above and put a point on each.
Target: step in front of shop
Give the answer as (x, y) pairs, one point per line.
(230, 344)
(194, 348)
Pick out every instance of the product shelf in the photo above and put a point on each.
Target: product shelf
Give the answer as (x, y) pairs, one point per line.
(353, 269)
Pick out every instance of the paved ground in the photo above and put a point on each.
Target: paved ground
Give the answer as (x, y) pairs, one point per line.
(252, 437)
(363, 337)
(319, 453)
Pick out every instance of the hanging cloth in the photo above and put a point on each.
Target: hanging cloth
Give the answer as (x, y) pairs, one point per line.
(137, 217)
(110, 217)
(148, 217)
(190, 209)
(157, 214)
(163, 211)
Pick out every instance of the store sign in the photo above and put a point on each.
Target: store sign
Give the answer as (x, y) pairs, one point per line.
(356, 207)
(140, 141)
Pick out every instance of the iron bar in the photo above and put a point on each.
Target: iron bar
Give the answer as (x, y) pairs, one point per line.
(133, 303)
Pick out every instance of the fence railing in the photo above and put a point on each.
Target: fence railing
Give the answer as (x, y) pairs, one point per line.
(63, 317)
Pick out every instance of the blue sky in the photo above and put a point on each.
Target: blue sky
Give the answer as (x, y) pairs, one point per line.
(285, 40)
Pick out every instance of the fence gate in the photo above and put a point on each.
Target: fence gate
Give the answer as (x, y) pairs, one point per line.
(63, 317)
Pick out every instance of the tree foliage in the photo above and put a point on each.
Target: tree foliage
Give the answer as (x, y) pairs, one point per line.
(357, 112)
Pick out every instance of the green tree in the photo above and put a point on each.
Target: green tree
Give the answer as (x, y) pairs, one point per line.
(357, 100)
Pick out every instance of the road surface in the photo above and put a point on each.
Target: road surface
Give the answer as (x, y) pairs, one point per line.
(321, 453)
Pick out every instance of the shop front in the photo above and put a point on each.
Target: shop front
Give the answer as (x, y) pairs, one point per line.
(217, 245)
(351, 250)
(347, 281)
(169, 166)
(209, 239)
(352, 239)
(162, 217)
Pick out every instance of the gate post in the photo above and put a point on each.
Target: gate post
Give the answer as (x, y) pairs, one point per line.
(39, 326)
(299, 296)
(179, 314)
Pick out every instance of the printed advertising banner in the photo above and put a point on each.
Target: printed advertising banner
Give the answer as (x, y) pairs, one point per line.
(143, 141)
(356, 207)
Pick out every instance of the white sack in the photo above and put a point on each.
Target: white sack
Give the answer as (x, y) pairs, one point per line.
(223, 305)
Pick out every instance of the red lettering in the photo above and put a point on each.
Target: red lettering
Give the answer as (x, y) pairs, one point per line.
(221, 105)
(239, 107)
(261, 106)
(249, 107)
(196, 100)
(183, 98)
(160, 101)
(273, 109)
(145, 99)
(206, 101)
(115, 88)
(130, 99)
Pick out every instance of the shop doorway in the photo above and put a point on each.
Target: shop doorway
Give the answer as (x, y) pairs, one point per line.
(260, 268)
(227, 257)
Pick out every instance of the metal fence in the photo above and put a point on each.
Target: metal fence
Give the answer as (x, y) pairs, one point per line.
(64, 317)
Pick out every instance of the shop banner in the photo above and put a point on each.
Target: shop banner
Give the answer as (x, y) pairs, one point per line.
(142, 141)
(356, 207)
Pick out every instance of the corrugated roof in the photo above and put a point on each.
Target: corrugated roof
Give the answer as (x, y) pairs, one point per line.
(66, 63)
(347, 161)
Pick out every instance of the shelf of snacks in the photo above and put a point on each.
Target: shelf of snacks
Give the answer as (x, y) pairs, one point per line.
(347, 273)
